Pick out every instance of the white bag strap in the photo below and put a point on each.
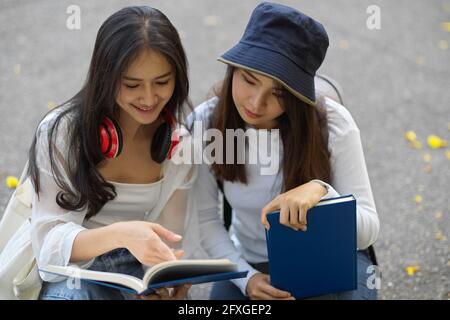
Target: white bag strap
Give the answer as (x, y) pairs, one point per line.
(24, 173)
(17, 210)
(24, 189)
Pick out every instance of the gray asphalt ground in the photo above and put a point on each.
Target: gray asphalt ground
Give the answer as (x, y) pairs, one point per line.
(395, 79)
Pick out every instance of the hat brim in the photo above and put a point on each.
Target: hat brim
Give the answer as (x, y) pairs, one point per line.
(274, 65)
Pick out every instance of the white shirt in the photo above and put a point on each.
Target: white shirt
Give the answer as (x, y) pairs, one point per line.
(53, 229)
(247, 243)
(133, 202)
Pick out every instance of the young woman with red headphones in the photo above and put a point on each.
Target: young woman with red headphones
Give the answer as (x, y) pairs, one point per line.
(107, 197)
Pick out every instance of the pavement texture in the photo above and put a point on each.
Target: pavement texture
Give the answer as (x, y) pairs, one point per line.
(395, 79)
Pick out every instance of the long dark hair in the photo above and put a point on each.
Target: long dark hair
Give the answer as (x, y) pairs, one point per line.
(303, 131)
(119, 41)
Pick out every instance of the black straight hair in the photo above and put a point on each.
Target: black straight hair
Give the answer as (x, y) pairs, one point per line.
(119, 41)
(303, 130)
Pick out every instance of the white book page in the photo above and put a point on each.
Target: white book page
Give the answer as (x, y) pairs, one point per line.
(344, 199)
(117, 278)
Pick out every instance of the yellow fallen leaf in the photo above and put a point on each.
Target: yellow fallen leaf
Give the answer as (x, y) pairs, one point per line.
(426, 157)
(51, 105)
(435, 142)
(17, 69)
(12, 182)
(418, 199)
(447, 153)
(438, 215)
(420, 60)
(440, 236)
(446, 26)
(211, 21)
(411, 270)
(343, 44)
(410, 136)
(416, 144)
(428, 168)
(443, 45)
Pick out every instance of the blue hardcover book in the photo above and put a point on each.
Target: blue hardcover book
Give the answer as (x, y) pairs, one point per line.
(165, 274)
(321, 260)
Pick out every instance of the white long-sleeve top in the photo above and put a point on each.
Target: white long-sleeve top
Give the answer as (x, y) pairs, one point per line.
(53, 229)
(247, 243)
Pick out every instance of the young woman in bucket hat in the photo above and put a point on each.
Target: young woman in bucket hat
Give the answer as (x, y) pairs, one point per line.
(269, 84)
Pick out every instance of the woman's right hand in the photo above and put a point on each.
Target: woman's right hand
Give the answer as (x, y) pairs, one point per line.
(176, 293)
(259, 288)
(145, 241)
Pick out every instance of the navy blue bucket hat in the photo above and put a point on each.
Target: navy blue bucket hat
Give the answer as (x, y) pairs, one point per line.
(284, 44)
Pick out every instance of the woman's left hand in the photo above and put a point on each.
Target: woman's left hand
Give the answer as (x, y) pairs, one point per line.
(294, 205)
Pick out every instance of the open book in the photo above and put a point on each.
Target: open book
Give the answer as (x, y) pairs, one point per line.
(164, 274)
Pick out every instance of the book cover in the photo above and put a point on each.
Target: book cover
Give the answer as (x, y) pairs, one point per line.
(321, 260)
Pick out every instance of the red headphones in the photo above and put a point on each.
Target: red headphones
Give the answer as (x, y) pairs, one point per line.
(164, 141)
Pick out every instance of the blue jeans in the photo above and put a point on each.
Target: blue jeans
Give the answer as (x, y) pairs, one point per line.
(118, 261)
(226, 290)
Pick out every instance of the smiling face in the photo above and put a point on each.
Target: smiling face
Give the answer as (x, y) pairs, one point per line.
(146, 87)
(257, 98)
